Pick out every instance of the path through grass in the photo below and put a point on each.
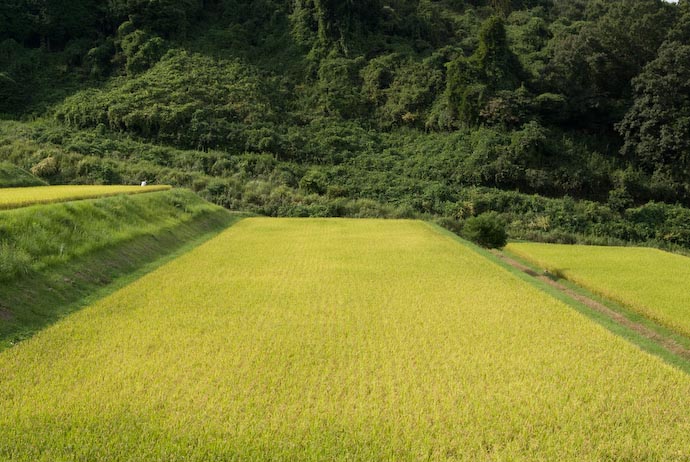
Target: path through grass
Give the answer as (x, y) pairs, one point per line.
(651, 282)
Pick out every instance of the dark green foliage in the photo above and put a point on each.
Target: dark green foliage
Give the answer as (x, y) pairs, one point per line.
(446, 108)
(338, 86)
(333, 23)
(167, 17)
(314, 182)
(400, 90)
(53, 23)
(185, 99)
(593, 62)
(498, 66)
(471, 82)
(657, 127)
(140, 50)
(487, 230)
(99, 59)
(18, 67)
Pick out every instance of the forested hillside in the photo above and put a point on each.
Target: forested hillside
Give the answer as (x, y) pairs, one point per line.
(570, 118)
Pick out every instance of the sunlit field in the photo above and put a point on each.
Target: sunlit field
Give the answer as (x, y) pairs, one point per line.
(20, 197)
(651, 282)
(317, 339)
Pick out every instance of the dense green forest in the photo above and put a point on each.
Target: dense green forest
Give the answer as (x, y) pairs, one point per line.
(570, 119)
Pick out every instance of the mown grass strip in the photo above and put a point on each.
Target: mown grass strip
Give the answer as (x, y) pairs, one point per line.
(650, 282)
(36, 237)
(21, 197)
(336, 340)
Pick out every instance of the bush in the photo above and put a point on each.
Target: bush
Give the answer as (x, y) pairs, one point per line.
(47, 168)
(451, 224)
(314, 182)
(487, 230)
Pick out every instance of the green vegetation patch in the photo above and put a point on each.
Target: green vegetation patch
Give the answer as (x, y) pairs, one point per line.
(186, 98)
(650, 282)
(12, 176)
(54, 256)
(327, 339)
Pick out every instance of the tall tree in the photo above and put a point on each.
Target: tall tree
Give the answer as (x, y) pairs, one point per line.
(593, 62)
(336, 21)
(501, 7)
(493, 67)
(656, 129)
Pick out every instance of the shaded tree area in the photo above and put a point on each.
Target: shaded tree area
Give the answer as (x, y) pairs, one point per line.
(584, 98)
(656, 129)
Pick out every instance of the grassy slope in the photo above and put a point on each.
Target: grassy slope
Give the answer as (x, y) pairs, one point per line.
(12, 176)
(55, 257)
(336, 340)
(649, 281)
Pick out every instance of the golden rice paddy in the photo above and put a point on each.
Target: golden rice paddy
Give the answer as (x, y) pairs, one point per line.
(317, 339)
(21, 197)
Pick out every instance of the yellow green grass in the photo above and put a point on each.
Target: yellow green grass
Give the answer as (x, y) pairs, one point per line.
(21, 197)
(367, 340)
(651, 282)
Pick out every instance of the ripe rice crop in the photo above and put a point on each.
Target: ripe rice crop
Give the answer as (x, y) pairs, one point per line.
(357, 340)
(21, 197)
(649, 281)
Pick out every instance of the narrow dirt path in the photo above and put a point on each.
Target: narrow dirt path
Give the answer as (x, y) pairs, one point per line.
(666, 342)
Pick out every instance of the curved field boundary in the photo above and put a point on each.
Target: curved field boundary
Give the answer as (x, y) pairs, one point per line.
(11, 198)
(12, 176)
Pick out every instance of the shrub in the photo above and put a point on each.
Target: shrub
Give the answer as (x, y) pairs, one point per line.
(47, 168)
(451, 224)
(487, 230)
(314, 182)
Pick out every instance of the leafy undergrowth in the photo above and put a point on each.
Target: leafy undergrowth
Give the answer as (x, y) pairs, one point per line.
(12, 176)
(293, 340)
(55, 258)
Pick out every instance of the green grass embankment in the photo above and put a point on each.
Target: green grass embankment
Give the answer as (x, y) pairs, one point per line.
(56, 258)
(12, 176)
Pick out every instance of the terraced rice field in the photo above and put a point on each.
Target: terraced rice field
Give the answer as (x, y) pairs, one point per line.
(356, 340)
(653, 283)
(21, 197)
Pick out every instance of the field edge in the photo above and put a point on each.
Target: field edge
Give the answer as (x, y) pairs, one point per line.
(637, 339)
(71, 286)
